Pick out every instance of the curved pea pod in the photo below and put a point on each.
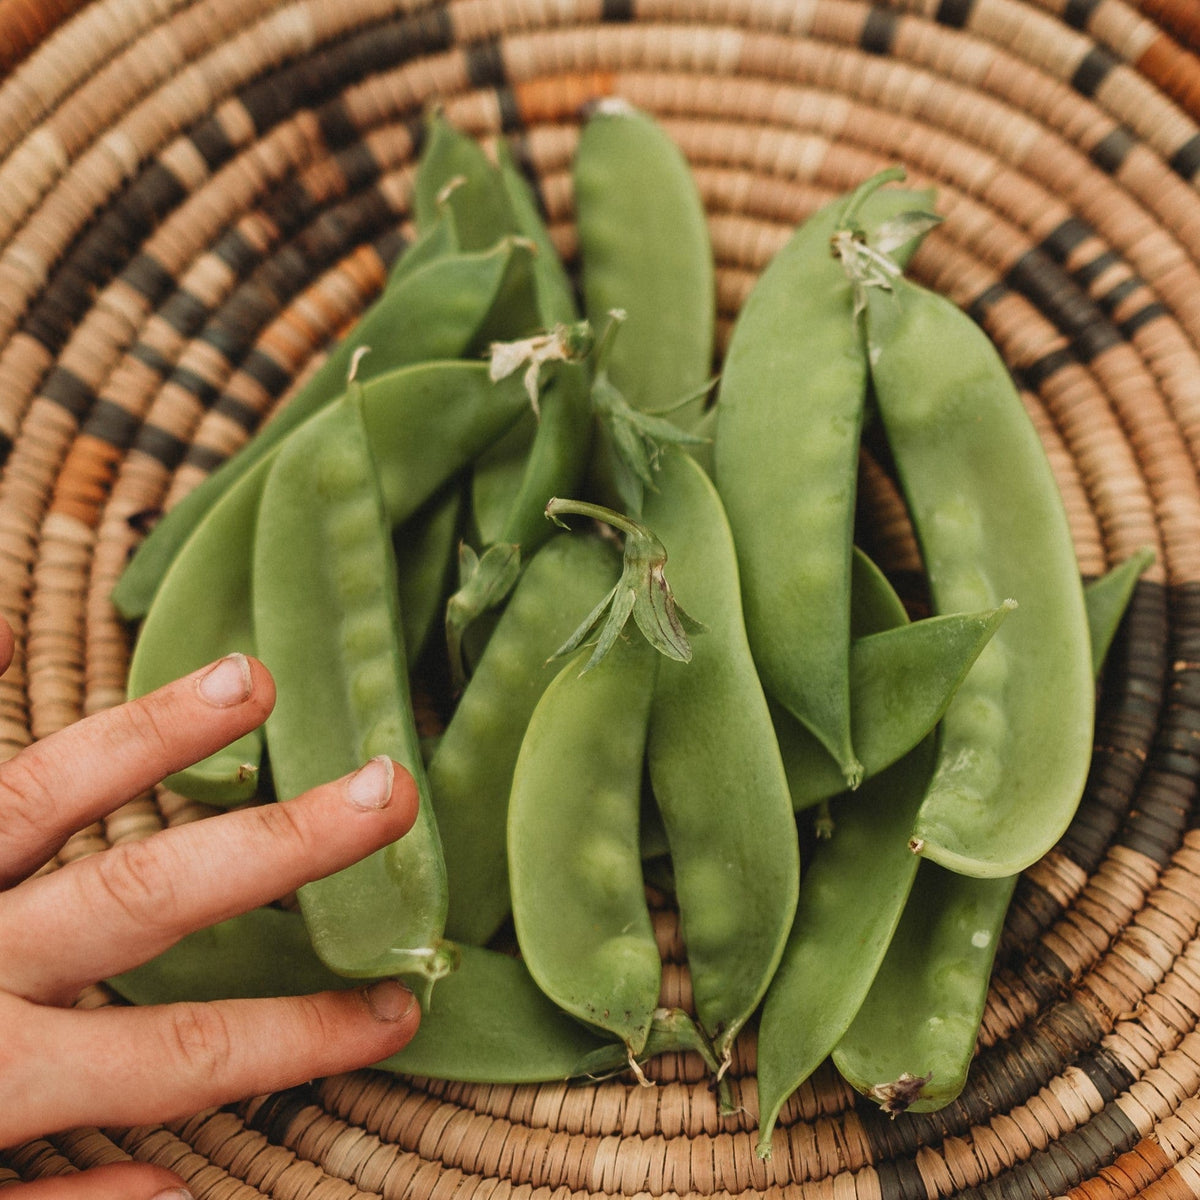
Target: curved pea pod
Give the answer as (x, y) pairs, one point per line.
(579, 905)
(902, 681)
(913, 1046)
(452, 307)
(789, 420)
(844, 924)
(327, 625)
(1016, 739)
(425, 423)
(489, 1023)
(715, 769)
(471, 772)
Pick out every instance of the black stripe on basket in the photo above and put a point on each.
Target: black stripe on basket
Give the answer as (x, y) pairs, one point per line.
(110, 423)
(878, 31)
(955, 13)
(1078, 13)
(65, 388)
(236, 251)
(160, 445)
(1186, 160)
(1111, 151)
(1093, 70)
(616, 10)
(148, 277)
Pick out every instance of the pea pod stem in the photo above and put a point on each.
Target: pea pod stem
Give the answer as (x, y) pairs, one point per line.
(642, 591)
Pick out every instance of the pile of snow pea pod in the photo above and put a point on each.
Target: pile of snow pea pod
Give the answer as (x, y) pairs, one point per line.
(633, 587)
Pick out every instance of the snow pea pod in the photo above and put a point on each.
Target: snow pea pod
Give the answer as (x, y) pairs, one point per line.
(327, 624)
(579, 904)
(715, 769)
(426, 422)
(852, 896)
(1017, 737)
(455, 172)
(789, 419)
(490, 1023)
(471, 771)
(901, 682)
(452, 307)
(644, 249)
(912, 1043)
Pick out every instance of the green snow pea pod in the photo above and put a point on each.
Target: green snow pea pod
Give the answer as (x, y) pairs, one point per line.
(851, 898)
(575, 872)
(1107, 598)
(327, 624)
(789, 419)
(426, 422)
(842, 929)
(913, 1043)
(715, 769)
(490, 1022)
(924, 1006)
(452, 307)
(1016, 740)
(455, 172)
(471, 772)
(424, 549)
(646, 266)
(644, 249)
(901, 682)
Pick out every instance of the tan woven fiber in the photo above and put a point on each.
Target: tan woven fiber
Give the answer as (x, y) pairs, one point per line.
(198, 197)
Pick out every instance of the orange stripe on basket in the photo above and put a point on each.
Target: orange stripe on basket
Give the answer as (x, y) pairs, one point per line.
(1175, 70)
(24, 23)
(1180, 17)
(554, 97)
(1130, 1175)
(86, 479)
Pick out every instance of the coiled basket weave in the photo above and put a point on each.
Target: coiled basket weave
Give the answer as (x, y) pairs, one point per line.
(196, 196)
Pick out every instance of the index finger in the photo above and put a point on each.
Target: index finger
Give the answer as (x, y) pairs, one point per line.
(77, 775)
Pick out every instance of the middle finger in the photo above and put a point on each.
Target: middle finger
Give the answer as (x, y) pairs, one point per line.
(141, 897)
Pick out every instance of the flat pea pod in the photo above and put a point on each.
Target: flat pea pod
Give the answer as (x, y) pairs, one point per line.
(579, 904)
(852, 896)
(789, 418)
(913, 1046)
(1016, 740)
(327, 625)
(201, 610)
(489, 1022)
(644, 249)
(842, 928)
(449, 308)
(715, 768)
(902, 680)
(471, 772)
(424, 547)
(905, 1046)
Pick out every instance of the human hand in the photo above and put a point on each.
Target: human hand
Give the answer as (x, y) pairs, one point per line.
(60, 931)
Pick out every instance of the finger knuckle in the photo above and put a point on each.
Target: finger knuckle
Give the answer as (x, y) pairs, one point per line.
(136, 880)
(199, 1038)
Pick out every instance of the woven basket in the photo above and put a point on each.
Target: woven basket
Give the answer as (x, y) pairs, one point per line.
(196, 196)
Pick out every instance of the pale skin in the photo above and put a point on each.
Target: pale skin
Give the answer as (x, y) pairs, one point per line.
(64, 1067)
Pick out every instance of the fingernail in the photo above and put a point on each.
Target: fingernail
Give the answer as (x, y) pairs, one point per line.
(370, 786)
(389, 1000)
(173, 1194)
(227, 681)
